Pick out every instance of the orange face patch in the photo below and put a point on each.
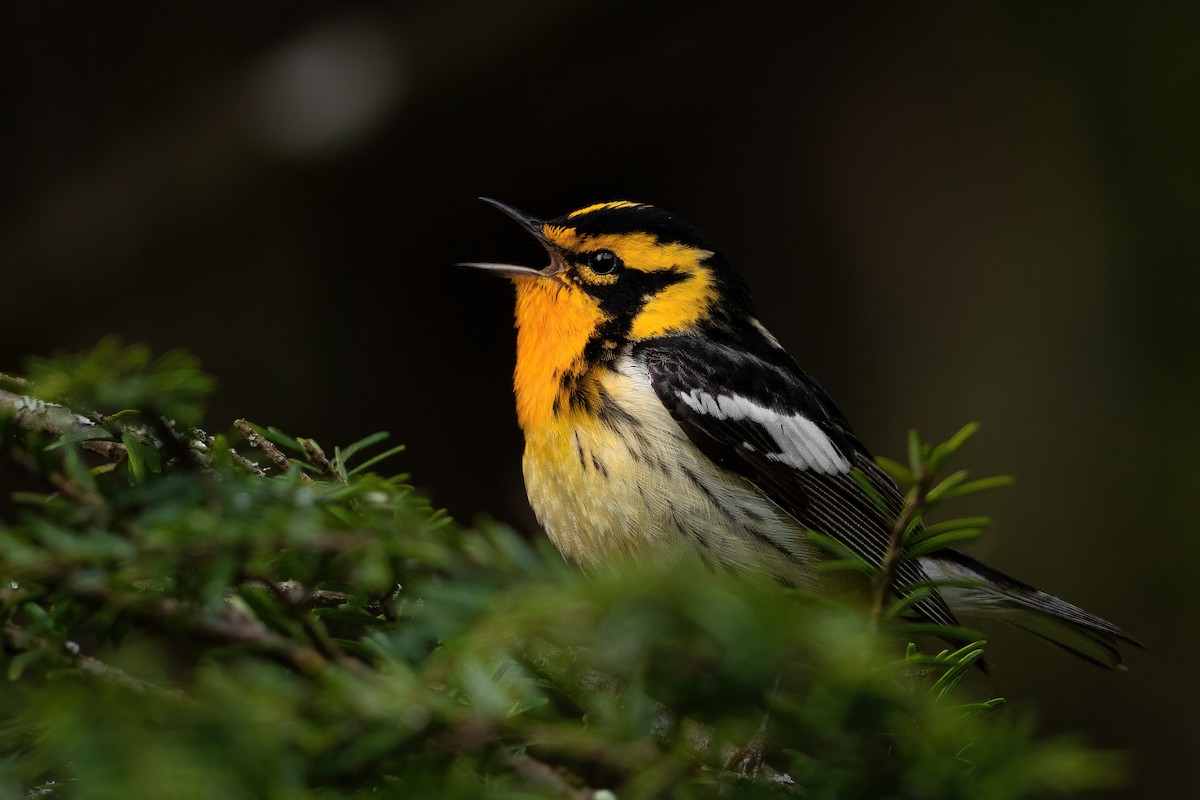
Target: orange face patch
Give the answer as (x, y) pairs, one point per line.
(558, 315)
(554, 323)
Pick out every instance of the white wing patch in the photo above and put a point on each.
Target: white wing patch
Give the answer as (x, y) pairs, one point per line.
(801, 444)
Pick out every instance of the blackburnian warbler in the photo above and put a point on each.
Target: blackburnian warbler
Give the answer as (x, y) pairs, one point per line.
(660, 415)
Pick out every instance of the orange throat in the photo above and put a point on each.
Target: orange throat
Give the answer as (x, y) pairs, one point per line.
(554, 323)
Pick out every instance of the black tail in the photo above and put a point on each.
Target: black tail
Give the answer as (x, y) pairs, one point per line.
(977, 589)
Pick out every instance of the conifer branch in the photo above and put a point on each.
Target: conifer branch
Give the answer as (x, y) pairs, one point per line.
(264, 605)
(910, 512)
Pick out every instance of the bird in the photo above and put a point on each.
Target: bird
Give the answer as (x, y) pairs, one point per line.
(660, 416)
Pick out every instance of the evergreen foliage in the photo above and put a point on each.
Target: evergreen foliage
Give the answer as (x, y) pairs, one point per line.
(246, 615)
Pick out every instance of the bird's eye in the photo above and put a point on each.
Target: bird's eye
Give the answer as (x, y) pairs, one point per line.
(604, 262)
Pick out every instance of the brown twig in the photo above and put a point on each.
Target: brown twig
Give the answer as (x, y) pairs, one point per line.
(33, 414)
(19, 640)
(183, 450)
(294, 597)
(297, 593)
(260, 442)
(29, 412)
(228, 626)
(14, 382)
(317, 457)
(914, 507)
(247, 464)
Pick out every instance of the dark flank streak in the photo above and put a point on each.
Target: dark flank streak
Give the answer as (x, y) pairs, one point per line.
(698, 536)
(693, 534)
(712, 498)
(751, 514)
(598, 465)
(774, 545)
(641, 439)
(624, 425)
(579, 450)
(661, 466)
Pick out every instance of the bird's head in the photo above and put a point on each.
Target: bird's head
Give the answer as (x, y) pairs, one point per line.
(642, 271)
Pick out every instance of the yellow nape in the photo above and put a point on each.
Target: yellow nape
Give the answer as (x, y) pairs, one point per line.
(554, 323)
(677, 307)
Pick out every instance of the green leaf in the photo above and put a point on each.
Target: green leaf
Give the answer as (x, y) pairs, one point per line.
(18, 663)
(914, 525)
(78, 437)
(370, 462)
(963, 651)
(908, 601)
(970, 710)
(869, 489)
(846, 557)
(963, 661)
(112, 377)
(133, 457)
(30, 498)
(276, 436)
(363, 443)
(915, 461)
(339, 464)
(946, 450)
(947, 484)
(983, 484)
(40, 616)
(268, 608)
(923, 545)
(528, 704)
(77, 470)
(957, 524)
(956, 632)
(895, 470)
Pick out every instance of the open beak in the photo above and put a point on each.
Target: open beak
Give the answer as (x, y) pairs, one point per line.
(556, 266)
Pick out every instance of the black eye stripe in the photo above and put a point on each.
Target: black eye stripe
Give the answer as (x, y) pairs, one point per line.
(628, 295)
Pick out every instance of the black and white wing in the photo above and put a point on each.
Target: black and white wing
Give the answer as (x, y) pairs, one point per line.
(763, 418)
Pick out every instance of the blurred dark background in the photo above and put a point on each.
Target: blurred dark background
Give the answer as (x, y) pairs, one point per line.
(947, 212)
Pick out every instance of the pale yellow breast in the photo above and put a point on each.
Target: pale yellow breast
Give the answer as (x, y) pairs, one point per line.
(628, 483)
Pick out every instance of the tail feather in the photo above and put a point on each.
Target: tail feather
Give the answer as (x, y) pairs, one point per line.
(1098, 648)
(977, 589)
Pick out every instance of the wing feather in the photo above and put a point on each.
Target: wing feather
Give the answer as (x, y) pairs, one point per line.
(763, 418)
